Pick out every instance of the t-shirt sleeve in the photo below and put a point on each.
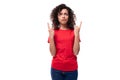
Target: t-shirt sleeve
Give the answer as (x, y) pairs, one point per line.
(79, 40)
(48, 40)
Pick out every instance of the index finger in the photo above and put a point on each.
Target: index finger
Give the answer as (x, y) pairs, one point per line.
(48, 25)
(80, 23)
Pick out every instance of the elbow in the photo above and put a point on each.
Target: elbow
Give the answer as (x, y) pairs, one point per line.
(53, 52)
(76, 51)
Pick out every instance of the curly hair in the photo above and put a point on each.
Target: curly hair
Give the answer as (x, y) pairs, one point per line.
(54, 16)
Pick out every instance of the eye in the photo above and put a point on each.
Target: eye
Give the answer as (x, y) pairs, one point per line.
(66, 14)
(59, 14)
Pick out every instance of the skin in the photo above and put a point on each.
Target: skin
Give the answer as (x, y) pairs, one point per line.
(76, 46)
(63, 19)
(52, 43)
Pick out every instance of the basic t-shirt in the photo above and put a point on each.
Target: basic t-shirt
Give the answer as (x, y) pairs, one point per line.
(64, 58)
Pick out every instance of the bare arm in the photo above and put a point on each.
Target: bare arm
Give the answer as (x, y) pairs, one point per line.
(76, 46)
(51, 40)
(52, 47)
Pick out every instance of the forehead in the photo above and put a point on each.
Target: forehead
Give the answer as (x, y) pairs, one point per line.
(64, 11)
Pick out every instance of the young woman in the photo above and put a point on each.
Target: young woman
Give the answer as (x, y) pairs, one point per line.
(64, 44)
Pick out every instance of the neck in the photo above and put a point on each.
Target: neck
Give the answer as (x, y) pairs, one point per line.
(64, 27)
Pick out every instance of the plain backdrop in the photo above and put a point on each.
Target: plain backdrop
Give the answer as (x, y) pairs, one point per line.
(24, 51)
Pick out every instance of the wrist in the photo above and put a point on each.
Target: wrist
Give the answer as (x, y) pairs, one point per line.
(51, 37)
(77, 35)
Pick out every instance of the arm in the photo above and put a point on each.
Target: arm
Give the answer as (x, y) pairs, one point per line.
(52, 46)
(76, 46)
(51, 41)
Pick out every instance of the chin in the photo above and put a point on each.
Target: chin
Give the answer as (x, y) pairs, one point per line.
(63, 23)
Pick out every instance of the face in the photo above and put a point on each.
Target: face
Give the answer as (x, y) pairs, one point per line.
(63, 16)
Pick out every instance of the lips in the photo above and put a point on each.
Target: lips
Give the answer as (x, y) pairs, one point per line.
(63, 20)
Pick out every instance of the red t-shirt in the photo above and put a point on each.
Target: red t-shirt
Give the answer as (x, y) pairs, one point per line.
(64, 59)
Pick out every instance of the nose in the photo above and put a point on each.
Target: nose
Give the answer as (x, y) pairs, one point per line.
(63, 15)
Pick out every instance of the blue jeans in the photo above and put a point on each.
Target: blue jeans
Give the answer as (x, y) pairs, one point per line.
(63, 75)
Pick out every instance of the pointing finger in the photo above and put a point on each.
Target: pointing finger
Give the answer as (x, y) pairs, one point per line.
(80, 23)
(48, 25)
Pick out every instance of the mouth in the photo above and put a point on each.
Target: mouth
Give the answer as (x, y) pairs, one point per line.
(64, 20)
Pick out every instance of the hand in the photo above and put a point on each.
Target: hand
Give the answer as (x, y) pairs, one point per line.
(77, 29)
(51, 31)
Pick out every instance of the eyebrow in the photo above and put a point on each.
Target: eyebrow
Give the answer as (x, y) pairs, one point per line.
(61, 12)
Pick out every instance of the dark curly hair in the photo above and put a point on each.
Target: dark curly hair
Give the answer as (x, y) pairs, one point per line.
(54, 16)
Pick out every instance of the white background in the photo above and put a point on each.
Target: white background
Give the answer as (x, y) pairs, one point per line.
(24, 51)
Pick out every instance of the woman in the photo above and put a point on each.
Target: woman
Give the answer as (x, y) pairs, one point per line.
(64, 43)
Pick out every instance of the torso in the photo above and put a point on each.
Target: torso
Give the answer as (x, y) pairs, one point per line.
(64, 59)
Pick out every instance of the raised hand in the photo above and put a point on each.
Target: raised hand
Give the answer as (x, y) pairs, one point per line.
(77, 29)
(50, 30)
